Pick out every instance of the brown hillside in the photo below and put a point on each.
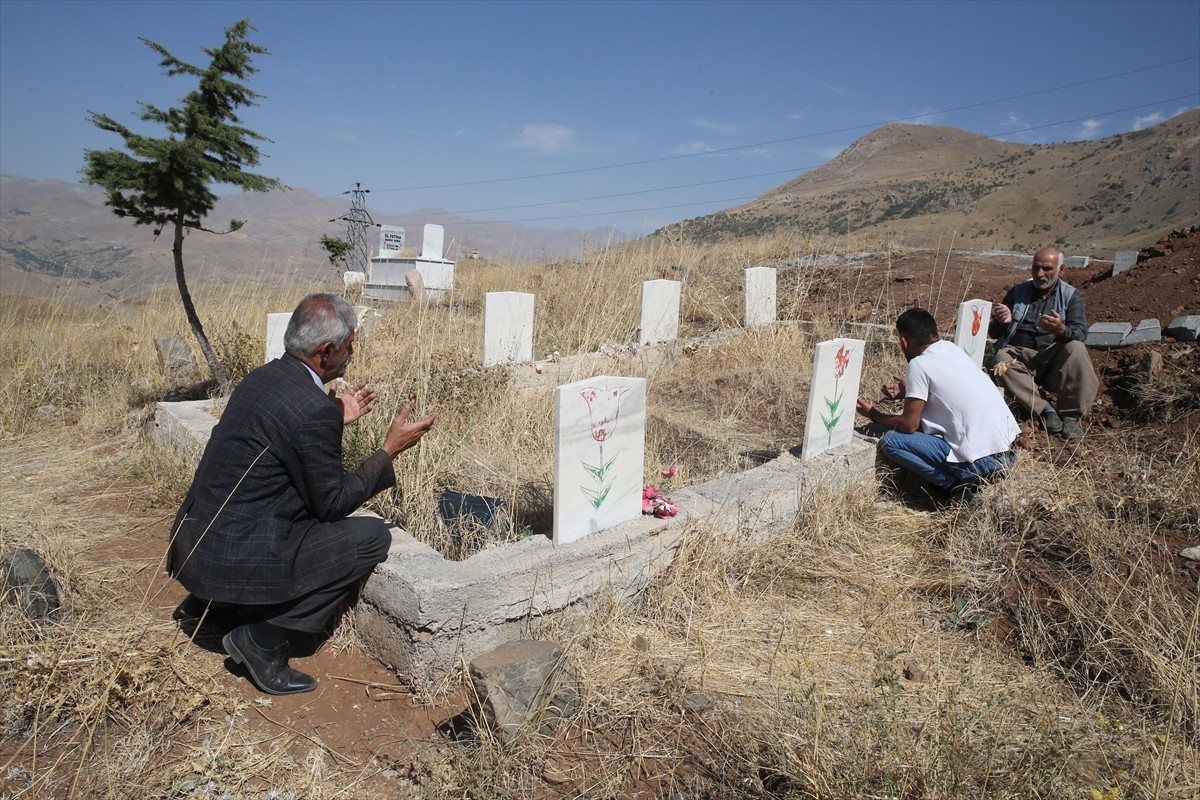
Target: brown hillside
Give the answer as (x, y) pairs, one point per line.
(925, 184)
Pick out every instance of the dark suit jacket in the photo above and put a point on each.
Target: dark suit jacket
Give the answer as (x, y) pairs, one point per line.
(261, 522)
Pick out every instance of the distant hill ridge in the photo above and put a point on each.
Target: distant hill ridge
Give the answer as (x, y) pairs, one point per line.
(922, 184)
(54, 233)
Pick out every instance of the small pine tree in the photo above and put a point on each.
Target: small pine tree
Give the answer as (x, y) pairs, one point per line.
(166, 181)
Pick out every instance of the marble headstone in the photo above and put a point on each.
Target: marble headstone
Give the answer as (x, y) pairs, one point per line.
(431, 242)
(599, 449)
(833, 391)
(760, 296)
(507, 328)
(660, 312)
(971, 328)
(1124, 260)
(276, 327)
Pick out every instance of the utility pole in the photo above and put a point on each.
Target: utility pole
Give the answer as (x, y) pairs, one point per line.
(357, 220)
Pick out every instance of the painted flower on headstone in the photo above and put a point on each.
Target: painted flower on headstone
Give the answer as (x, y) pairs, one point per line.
(604, 409)
(976, 319)
(841, 361)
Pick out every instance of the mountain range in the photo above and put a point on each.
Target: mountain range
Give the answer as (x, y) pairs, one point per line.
(920, 185)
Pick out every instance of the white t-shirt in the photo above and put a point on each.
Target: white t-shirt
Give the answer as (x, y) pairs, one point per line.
(961, 404)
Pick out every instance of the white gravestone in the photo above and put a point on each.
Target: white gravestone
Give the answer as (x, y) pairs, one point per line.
(660, 312)
(391, 241)
(507, 328)
(431, 242)
(276, 328)
(833, 391)
(760, 296)
(599, 449)
(1124, 260)
(971, 328)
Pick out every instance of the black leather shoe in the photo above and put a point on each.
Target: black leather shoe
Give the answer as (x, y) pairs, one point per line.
(268, 668)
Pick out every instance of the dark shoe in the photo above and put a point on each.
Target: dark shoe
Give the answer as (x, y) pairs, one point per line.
(1051, 422)
(1070, 428)
(966, 495)
(268, 668)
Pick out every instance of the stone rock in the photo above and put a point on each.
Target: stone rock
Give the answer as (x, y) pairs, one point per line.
(353, 278)
(416, 285)
(176, 361)
(1148, 330)
(25, 579)
(1185, 328)
(695, 702)
(1104, 335)
(914, 670)
(368, 321)
(523, 685)
(1191, 553)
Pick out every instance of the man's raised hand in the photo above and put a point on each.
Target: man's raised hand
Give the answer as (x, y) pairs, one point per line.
(403, 434)
(356, 400)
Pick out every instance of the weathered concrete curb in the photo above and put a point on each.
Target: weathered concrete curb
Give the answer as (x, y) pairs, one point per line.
(423, 614)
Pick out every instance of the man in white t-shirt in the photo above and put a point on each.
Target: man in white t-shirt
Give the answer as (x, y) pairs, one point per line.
(955, 430)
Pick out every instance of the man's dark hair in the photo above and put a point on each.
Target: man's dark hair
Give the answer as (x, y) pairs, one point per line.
(918, 326)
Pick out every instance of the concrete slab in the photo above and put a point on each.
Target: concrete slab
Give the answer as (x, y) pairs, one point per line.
(1076, 262)
(1106, 335)
(1185, 328)
(1124, 260)
(1148, 330)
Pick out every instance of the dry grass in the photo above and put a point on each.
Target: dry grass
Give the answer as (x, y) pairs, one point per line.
(1057, 654)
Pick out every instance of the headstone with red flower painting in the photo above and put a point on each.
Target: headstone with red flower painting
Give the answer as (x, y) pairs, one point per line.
(507, 328)
(599, 447)
(971, 328)
(760, 296)
(837, 369)
(660, 312)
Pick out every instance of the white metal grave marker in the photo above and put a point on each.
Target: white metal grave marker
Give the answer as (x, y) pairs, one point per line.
(507, 328)
(833, 391)
(599, 449)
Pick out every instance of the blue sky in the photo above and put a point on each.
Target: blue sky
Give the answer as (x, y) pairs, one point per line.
(594, 114)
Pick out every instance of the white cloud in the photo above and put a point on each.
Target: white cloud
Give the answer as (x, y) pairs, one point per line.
(716, 127)
(691, 148)
(797, 114)
(1182, 110)
(545, 139)
(1090, 129)
(1148, 120)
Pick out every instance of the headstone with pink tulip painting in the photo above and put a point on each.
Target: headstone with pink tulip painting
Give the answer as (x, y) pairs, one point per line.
(507, 328)
(833, 391)
(660, 312)
(599, 448)
(760, 296)
(971, 328)
(276, 328)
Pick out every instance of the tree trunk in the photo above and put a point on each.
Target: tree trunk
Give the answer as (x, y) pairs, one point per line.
(189, 308)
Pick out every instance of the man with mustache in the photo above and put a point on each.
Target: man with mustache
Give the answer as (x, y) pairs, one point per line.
(1040, 330)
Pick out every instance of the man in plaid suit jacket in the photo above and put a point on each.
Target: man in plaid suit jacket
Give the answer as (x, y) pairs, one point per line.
(264, 534)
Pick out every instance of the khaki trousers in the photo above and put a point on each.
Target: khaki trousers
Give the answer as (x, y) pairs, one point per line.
(1063, 368)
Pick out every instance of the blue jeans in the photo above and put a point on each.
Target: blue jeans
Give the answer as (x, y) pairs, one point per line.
(925, 455)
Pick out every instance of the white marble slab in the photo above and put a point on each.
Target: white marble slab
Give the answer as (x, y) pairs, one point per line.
(833, 391)
(507, 328)
(760, 302)
(971, 328)
(276, 328)
(660, 312)
(599, 449)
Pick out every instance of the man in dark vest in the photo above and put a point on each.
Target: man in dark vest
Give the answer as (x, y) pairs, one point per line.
(265, 536)
(1040, 330)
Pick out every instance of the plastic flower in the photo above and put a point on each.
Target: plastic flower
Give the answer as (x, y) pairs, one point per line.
(604, 408)
(671, 471)
(654, 503)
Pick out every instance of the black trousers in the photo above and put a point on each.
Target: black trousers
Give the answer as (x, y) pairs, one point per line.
(310, 612)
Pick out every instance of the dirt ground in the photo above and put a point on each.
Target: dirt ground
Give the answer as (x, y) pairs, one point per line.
(362, 713)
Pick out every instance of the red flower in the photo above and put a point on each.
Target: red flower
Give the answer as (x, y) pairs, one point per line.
(977, 319)
(604, 407)
(841, 361)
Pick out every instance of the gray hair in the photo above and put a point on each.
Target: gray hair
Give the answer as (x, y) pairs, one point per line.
(319, 318)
